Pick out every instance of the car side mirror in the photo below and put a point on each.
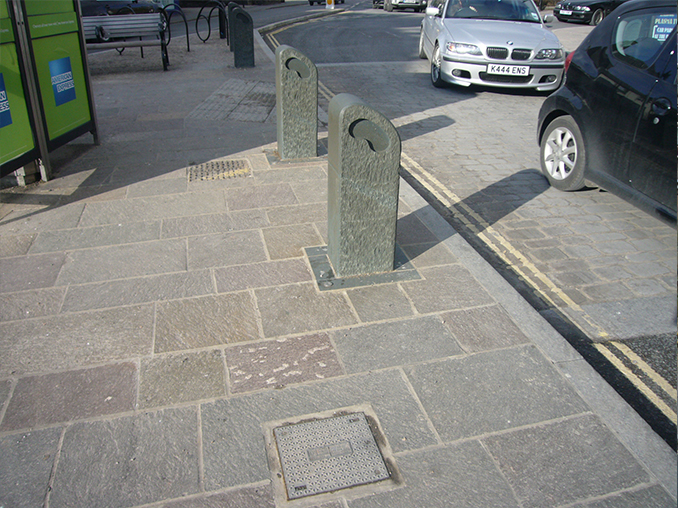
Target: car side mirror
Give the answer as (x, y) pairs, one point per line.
(549, 18)
(432, 11)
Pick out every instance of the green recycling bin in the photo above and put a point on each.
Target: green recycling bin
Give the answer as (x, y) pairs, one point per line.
(17, 142)
(60, 68)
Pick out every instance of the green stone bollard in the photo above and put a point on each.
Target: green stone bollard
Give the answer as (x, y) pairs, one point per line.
(363, 185)
(296, 88)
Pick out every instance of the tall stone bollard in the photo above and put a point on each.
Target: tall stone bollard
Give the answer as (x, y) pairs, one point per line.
(243, 38)
(363, 164)
(230, 19)
(296, 89)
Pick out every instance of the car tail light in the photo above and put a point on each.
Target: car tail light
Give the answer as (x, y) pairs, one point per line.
(568, 59)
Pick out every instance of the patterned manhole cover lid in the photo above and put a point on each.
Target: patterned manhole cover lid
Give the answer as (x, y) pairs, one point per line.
(219, 170)
(329, 454)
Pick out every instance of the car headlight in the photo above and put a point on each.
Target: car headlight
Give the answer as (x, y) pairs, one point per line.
(462, 49)
(584, 8)
(550, 54)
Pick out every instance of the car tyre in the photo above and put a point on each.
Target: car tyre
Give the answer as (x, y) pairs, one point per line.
(422, 53)
(436, 72)
(597, 17)
(562, 154)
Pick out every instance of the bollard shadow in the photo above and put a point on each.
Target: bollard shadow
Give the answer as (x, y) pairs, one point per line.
(474, 213)
(425, 126)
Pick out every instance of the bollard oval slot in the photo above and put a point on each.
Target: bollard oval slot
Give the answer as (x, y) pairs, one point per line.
(370, 132)
(296, 65)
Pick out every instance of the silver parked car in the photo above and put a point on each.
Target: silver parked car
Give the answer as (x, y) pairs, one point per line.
(500, 43)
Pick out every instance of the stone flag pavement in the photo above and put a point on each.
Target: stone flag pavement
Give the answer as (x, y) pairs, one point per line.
(158, 311)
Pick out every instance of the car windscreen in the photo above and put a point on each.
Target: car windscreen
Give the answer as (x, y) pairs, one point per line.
(508, 10)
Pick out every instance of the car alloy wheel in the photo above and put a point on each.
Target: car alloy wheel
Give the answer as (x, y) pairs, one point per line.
(436, 74)
(563, 156)
(597, 17)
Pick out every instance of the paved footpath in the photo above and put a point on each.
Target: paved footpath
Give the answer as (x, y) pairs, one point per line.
(153, 324)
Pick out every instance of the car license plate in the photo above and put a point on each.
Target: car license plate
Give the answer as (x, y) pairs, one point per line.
(508, 70)
(566, 13)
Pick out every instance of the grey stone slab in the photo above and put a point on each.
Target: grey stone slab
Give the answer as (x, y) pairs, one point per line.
(214, 223)
(628, 426)
(483, 329)
(72, 395)
(246, 497)
(153, 288)
(233, 445)
(30, 272)
(300, 308)
(123, 261)
(446, 288)
(15, 245)
(312, 191)
(451, 477)
(157, 186)
(424, 255)
(258, 275)
(75, 340)
(260, 196)
(410, 230)
(128, 461)
(174, 379)
(654, 496)
(84, 238)
(204, 322)
(5, 388)
(36, 220)
(31, 304)
(25, 465)
(225, 249)
(299, 214)
(376, 303)
(289, 241)
(152, 208)
(562, 462)
(280, 362)
(391, 344)
(457, 393)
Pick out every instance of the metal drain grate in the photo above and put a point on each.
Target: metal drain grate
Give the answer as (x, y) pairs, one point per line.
(329, 454)
(219, 170)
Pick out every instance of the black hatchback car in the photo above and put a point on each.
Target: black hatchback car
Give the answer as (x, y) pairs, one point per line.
(613, 122)
(585, 11)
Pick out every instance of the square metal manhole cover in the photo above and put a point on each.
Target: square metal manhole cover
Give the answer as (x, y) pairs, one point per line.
(219, 170)
(328, 454)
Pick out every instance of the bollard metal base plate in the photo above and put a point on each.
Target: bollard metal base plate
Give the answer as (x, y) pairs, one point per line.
(326, 280)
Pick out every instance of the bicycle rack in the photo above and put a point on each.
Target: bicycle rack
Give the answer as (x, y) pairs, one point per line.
(223, 25)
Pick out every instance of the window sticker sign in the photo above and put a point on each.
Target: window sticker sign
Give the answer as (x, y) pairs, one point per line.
(5, 115)
(62, 80)
(663, 26)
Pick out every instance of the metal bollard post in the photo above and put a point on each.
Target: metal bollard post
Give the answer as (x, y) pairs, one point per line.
(296, 89)
(230, 20)
(243, 38)
(223, 28)
(363, 185)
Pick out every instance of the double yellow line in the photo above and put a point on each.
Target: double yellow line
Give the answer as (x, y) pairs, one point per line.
(542, 285)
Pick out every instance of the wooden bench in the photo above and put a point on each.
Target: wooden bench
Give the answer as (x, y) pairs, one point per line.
(127, 30)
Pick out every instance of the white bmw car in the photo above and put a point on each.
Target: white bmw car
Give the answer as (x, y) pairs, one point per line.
(500, 43)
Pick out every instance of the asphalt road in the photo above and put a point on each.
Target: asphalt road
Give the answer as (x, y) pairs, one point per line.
(602, 272)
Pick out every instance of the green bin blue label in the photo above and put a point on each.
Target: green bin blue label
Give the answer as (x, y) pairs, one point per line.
(5, 115)
(62, 80)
